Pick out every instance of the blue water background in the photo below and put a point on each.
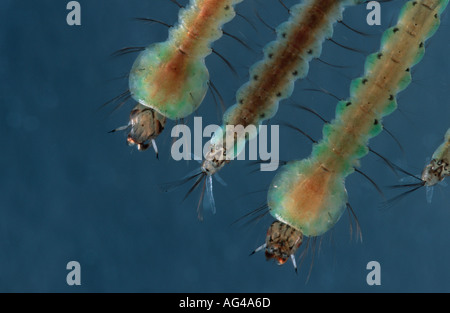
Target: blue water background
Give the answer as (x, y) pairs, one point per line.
(71, 191)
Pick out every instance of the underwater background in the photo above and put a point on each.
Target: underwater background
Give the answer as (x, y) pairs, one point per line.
(69, 190)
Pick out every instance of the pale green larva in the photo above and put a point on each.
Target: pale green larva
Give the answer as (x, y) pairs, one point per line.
(171, 77)
(272, 79)
(309, 195)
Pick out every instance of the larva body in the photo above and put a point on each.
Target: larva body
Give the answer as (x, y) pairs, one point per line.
(171, 77)
(310, 194)
(273, 78)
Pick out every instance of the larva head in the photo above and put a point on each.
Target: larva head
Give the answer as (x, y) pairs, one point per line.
(168, 80)
(435, 172)
(146, 124)
(282, 241)
(215, 159)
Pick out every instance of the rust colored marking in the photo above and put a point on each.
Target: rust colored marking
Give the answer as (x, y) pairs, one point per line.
(170, 78)
(282, 64)
(310, 193)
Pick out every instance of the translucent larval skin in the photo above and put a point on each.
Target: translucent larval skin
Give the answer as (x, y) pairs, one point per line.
(173, 91)
(309, 195)
(171, 77)
(324, 191)
(286, 60)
